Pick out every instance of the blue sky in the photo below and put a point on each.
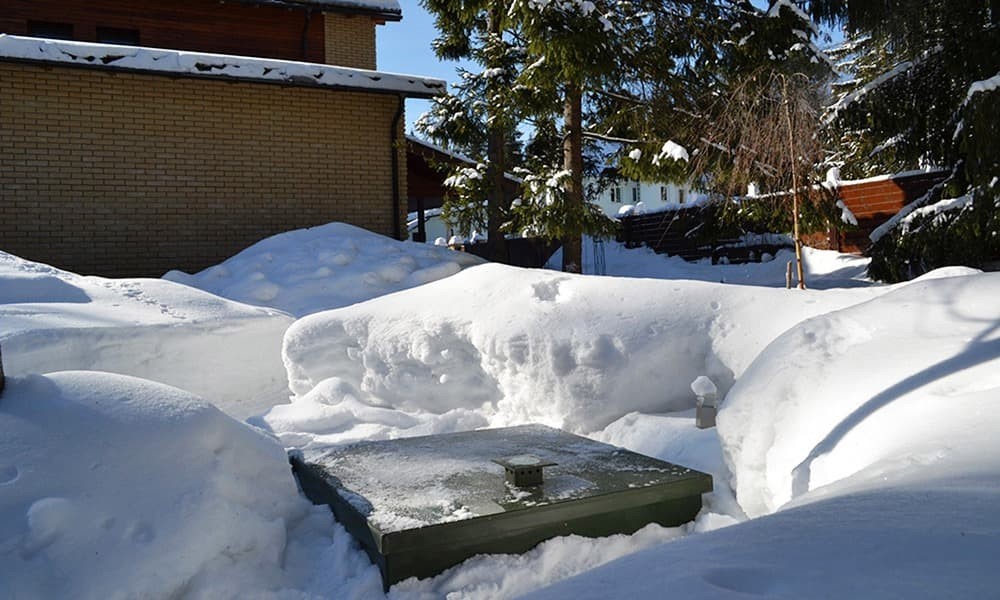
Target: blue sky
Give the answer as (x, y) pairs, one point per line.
(405, 47)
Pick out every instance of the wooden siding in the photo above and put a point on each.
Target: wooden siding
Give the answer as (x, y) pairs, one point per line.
(873, 203)
(194, 25)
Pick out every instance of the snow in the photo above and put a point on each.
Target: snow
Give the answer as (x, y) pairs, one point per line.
(671, 150)
(55, 320)
(832, 176)
(94, 504)
(939, 207)
(703, 386)
(858, 427)
(893, 469)
(157, 60)
(775, 11)
(900, 175)
(554, 349)
(825, 269)
(936, 365)
(389, 6)
(986, 85)
(310, 270)
(906, 215)
(846, 214)
(852, 97)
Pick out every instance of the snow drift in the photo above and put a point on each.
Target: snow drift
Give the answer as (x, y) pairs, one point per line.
(115, 487)
(908, 379)
(871, 432)
(921, 541)
(330, 266)
(497, 345)
(55, 320)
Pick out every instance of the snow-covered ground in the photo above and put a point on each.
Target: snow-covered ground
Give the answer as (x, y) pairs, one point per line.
(824, 269)
(859, 428)
(226, 352)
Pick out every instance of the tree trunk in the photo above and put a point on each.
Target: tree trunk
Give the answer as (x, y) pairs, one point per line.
(573, 162)
(496, 244)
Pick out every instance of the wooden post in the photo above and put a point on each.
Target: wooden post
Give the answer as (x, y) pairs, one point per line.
(788, 275)
(421, 234)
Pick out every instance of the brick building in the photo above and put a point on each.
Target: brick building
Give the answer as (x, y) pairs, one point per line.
(174, 133)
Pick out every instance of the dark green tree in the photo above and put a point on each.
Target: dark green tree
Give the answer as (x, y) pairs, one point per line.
(481, 117)
(750, 116)
(921, 96)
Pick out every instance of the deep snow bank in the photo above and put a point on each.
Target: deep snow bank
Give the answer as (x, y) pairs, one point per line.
(908, 380)
(498, 345)
(934, 539)
(55, 320)
(319, 268)
(882, 422)
(115, 487)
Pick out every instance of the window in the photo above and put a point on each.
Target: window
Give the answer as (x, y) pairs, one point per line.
(117, 35)
(616, 194)
(664, 194)
(680, 195)
(46, 29)
(635, 195)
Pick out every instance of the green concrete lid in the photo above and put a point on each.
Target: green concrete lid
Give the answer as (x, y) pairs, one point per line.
(413, 483)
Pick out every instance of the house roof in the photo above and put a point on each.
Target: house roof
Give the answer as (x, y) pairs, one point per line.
(388, 10)
(176, 63)
(433, 151)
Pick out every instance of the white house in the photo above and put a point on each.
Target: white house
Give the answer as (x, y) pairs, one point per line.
(642, 196)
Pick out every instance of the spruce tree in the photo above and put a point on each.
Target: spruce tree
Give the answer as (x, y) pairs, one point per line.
(750, 118)
(921, 96)
(574, 49)
(481, 118)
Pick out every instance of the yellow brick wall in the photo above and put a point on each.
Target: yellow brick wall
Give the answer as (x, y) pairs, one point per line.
(124, 174)
(350, 40)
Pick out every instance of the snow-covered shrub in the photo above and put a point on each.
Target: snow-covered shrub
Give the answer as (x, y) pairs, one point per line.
(960, 231)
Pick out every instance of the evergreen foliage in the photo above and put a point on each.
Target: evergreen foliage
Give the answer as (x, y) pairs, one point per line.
(920, 98)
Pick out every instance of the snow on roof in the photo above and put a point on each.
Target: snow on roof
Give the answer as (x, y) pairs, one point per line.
(200, 64)
(986, 85)
(388, 9)
(900, 175)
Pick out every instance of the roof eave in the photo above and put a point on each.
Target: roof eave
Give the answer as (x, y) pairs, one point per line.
(431, 92)
(384, 15)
